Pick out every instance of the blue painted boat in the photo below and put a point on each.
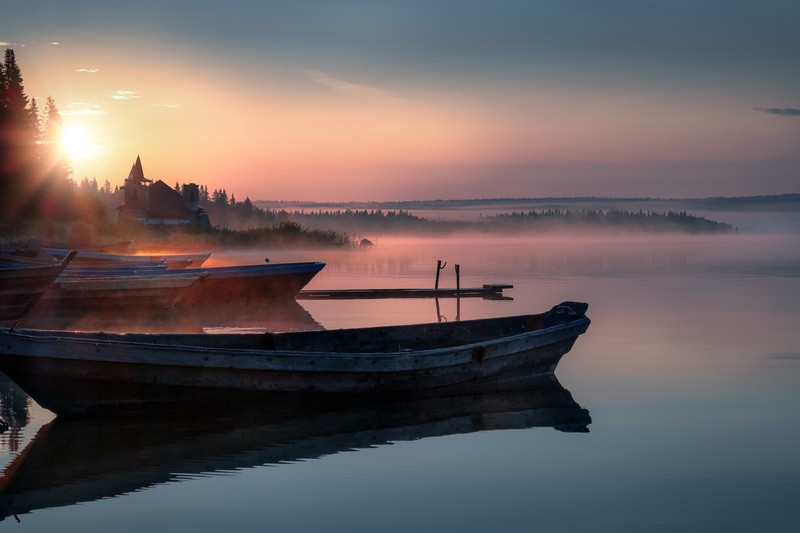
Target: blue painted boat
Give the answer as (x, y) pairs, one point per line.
(251, 283)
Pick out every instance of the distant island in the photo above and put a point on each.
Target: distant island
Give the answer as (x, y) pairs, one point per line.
(378, 221)
(539, 215)
(778, 202)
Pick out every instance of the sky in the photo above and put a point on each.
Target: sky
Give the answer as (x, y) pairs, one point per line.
(327, 100)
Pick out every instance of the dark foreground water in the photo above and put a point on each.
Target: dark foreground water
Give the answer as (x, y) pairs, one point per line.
(688, 382)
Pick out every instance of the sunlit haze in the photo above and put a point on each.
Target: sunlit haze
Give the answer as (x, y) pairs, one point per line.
(357, 100)
(77, 143)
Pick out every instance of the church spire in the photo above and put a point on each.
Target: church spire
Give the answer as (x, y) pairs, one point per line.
(137, 173)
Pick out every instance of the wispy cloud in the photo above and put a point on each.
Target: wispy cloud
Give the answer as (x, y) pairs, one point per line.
(54, 43)
(82, 109)
(171, 106)
(785, 356)
(87, 70)
(5, 43)
(354, 90)
(125, 95)
(781, 111)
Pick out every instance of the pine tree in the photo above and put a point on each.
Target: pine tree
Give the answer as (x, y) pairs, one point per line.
(19, 165)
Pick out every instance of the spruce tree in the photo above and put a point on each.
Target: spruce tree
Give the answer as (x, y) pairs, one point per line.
(19, 163)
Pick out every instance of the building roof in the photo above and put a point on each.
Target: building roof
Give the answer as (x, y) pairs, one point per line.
(166, 202)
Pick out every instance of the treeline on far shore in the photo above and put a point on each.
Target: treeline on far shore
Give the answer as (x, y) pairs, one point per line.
(369, 222)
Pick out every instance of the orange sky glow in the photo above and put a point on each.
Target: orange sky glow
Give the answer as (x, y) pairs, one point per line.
(309, 130)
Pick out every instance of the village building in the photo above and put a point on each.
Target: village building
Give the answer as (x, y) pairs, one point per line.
(158, 203)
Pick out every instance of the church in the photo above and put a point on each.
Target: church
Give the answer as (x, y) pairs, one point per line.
(158, 203)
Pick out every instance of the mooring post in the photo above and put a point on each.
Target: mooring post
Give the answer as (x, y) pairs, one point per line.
(458, 278)
(439, 267)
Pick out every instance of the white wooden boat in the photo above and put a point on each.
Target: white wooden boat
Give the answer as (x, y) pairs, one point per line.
(79, 372)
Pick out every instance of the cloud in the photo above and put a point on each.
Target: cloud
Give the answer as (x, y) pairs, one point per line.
(5, 43)
(125, 95)
(54, 43)
(346, 88)
(88, 70)
(785, 356)
(82, 109)
(171, 106)
(781, 111)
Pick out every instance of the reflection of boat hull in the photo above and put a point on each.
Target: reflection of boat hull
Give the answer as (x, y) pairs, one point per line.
(68, 371)
(79, 460)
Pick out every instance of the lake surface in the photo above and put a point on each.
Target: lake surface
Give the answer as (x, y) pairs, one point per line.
(690, 372)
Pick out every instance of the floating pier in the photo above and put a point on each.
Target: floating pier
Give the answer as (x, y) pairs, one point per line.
(489, 291)
(492, 291)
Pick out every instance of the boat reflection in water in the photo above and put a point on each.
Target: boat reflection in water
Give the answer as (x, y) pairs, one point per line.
(85, 459)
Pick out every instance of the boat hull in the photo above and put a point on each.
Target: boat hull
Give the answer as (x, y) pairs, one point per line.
(80, 387)
(173, 261)
(251, 283)
(22, 287)
(136, 291)
(74, 372)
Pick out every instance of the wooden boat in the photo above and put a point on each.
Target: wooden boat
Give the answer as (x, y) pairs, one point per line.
(108, 248)
(22, 286)
(120, 289)
(76, 460)
(175, 261)
(78, 372)
(39, 258)
(274, 316)
(253, 284)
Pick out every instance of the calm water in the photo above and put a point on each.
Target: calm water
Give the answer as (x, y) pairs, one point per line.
(689, 372)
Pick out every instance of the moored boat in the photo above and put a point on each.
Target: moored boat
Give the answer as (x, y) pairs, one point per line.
(22, 286)
(173, 261)
(120, 289)
(79, 372)
(251, 284)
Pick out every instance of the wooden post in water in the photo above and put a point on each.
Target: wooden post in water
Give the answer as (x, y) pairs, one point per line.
(439, 267)
(458, 290)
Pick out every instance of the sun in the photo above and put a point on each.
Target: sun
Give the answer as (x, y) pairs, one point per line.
(77, 143)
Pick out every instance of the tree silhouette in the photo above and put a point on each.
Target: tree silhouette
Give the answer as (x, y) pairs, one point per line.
(18, 132)
(34, 170)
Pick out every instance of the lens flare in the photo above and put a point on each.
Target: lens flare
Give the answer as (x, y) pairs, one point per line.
(77, 143)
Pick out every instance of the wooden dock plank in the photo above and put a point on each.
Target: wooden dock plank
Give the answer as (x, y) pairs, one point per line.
(489, 291)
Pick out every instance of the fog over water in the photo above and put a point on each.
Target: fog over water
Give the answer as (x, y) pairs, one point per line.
(689, 373)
